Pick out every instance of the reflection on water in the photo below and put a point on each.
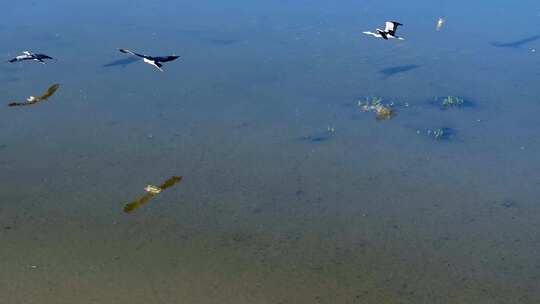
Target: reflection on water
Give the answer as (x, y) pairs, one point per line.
(291, 193)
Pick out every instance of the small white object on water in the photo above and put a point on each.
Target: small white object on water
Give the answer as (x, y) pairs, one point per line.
(33, 266)
(331, 129)
(440, 23)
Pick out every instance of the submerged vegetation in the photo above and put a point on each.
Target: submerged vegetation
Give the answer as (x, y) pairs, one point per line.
(375, 105)
(319, 137)
(453, 101)
(448, 102)
(33, 100)
(442, 133)
(151, 191)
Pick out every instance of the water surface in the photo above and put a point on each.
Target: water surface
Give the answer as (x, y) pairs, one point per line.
(272, 208)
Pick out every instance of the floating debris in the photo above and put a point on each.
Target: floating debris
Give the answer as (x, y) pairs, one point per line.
(440, 23)
(33, 100)
(151, 191)
(374, 104)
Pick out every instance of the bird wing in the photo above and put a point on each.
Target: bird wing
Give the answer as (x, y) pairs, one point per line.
(138, 202)
(50, 91)
(146, 198)
(166, 58)
(157, 65)
(42, 56)
(383, 34)
(33, 100)
(391, 27)
(170, 182)
(372, 34)
(126, 51)
(22, 57)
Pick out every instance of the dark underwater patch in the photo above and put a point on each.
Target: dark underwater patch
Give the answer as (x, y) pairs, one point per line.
(121, 62)
(517, 43)
(392, 71)
(223, 42)
(315, 138)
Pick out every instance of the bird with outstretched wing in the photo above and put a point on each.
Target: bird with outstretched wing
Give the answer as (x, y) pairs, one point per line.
(33, 100)
(151, 191)
(151, 60)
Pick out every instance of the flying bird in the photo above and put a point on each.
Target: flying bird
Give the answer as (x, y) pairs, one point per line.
(154, 61)
(389, 31)
(33, 100)
(27, 55)
(151, 191)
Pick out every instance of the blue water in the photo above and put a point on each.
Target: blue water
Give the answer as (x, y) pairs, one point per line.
(273, 207)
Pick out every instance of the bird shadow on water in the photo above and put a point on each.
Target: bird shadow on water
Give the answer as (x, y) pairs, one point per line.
(515, 44)
(392, 71)
(121, 62)
(223, 42)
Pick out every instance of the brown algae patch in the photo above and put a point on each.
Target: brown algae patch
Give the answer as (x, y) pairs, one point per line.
(374, 104)
(151, 191)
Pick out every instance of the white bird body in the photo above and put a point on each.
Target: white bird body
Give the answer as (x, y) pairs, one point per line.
(152, 63)
(389, 31)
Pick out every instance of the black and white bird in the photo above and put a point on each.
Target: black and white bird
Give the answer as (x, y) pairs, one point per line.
(27, 55)
(154, 61)
(389, 31)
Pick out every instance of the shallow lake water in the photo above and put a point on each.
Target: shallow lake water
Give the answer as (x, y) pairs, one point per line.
(273, 207)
